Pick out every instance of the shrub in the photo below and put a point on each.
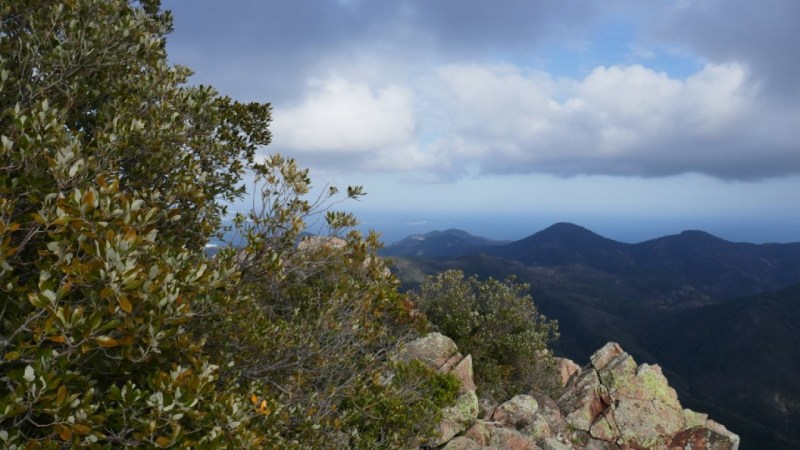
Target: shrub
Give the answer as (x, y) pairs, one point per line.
(496, 322)
(116, 329)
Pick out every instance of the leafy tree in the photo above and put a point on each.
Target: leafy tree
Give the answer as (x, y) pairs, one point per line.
(496, 322)
(116, 330)
(112, 177)
(316, 323)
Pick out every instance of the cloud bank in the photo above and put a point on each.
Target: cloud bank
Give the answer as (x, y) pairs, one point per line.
(452, 89)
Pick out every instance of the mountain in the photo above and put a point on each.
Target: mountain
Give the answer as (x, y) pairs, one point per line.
(438, 244)
(720, 269)
(565, 243)
(688, 269)
(720, 316)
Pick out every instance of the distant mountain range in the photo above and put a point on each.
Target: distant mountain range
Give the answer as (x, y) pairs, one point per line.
(438, 244)
(722, 317)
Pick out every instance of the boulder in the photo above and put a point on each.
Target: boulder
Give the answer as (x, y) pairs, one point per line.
(549, 412)
(434, 349)
(617, 372)
(480, 432)
(617, 402)
(511, 439)
(463, 371)
(462, 443)
(605, 427)
(611, 404)
(605, 354)
(458, 417)
(647, 410)
(713, 437)
(518, 412)
(538, 428)
(565, 368)
(581, 402)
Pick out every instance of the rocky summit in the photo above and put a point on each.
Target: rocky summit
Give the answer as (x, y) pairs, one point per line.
(610, 404)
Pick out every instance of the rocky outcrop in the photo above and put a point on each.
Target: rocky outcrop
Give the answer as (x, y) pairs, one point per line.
(618, 402)
(610, 404)
(440, 352)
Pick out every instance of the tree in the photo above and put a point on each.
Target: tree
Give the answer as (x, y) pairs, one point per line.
(112, 175)
(116, 329)
(498, 324)
(316, 325)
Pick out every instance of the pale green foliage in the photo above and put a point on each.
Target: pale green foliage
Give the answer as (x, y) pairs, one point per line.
(316, 323)
(116, 330)
(498, 324)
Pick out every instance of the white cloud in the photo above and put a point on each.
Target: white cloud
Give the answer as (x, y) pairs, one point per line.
(618, 120)
(340, 116)
(473, 119)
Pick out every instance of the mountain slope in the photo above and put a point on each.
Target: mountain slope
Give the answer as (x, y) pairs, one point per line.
(438, 244)
(565, 243)
(684, 270)
(740, 356)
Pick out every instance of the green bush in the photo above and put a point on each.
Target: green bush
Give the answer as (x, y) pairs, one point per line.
(116, 329)
(498, 324)
(316, 323)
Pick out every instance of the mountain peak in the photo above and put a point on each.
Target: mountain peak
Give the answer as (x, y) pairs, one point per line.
(566, 231)
(698, 234)
(566, 227)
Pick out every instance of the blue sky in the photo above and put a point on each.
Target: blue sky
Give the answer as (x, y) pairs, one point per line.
(634, 119)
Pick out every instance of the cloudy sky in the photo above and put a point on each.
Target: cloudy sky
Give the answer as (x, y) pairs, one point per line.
(634, 119)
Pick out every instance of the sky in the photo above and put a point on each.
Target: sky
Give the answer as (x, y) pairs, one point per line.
(634, 119)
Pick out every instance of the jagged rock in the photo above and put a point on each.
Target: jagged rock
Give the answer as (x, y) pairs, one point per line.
(480, 432)
(648, 411)
(434, 349)
(581, 402)
(458, 417)
(451, 362)
(605, 427)
(605, 354)
(617, 372)
(650, 383)
(693, 419)
(611, 404)
(510, 439)
(462, 443)
(565, 369)
(707, 437)
(538, 428)
(463, 371)
(518, 412)
(548, 410)
(619, 403)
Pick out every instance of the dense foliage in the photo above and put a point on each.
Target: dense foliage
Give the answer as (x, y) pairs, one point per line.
(116, 329)
(498, 324)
